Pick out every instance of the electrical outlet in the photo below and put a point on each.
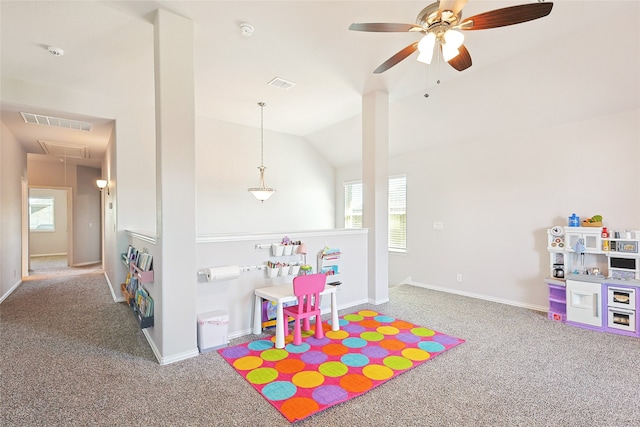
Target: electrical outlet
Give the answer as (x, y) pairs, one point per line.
(459, 278)
(438, 225)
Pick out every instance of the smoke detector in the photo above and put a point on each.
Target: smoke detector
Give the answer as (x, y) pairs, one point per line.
(246, 29)
(55, 51)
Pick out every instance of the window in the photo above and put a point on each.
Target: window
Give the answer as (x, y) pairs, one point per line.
(397, 210)
(398, 213)
(41, 216)
(353, 205)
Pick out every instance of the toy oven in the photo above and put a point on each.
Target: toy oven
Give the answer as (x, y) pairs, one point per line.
(621, 302)
(622, 297)
(620, 318)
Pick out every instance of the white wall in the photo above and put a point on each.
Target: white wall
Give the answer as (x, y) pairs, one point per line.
(86, 225)
(13, 169)
(236, 296)
(113, 268)
(228, 157)
(497, 197)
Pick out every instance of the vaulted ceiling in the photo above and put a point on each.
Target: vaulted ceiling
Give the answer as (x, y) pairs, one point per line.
(580, 61)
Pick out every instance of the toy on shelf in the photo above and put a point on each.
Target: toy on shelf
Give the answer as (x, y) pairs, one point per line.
(594, 221)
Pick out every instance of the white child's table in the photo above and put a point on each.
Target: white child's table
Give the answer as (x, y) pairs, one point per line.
(281, 294)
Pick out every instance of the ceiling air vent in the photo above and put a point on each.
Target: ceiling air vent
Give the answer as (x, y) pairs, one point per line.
(64, 149)
(38, 119)
(281, 83)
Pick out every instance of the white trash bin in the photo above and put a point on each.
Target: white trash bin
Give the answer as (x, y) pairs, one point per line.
(213, 330)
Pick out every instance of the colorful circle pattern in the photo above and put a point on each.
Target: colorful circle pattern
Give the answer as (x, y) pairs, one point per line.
(369, 349)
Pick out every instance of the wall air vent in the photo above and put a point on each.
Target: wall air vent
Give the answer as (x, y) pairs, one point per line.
(65, 150)
(39, 119)
(281, 83)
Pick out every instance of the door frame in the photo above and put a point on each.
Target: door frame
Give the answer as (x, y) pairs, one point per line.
(25, 238)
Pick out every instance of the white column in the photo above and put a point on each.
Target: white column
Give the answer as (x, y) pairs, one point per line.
(375, 179)
(175, 183)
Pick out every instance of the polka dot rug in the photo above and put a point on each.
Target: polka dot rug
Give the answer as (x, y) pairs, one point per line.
(368, 350)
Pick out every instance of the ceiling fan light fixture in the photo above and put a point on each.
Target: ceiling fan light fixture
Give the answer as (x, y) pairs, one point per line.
(425, 57)
(454, 38)
(425, 47)
(440, 18)
(427, 43)
(449, 52)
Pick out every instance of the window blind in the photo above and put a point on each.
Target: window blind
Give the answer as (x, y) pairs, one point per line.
(397, 209)
(398, 213)
(353, 205)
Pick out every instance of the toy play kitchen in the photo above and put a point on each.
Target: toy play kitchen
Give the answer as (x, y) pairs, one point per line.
(594, 276)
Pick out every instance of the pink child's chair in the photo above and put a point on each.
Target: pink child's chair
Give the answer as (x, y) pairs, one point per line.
(307, 289)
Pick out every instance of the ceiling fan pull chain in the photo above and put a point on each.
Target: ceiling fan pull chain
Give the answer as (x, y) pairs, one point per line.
(439, 56)
(426, 68)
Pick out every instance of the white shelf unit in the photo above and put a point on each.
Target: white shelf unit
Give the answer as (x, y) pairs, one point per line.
(561, 242)
(624, 255)
(329, 264)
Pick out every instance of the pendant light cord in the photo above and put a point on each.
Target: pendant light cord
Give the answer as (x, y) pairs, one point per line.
(261, 104)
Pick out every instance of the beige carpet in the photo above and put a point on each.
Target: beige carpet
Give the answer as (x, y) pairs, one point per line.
(70, 356)
(56, 265)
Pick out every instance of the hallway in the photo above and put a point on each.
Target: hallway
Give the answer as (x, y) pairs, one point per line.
(42, 266)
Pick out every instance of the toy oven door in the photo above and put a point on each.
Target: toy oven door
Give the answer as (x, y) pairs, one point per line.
(620, 318)
(621, 297)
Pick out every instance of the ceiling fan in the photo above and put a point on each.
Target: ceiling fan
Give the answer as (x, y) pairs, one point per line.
(440, 23)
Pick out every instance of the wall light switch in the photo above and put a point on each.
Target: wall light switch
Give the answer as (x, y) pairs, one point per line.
(438, 225)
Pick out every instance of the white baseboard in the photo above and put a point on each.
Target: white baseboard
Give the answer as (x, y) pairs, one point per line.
(239, 334)
(10, 291)
(42, 255)
(407, 281)
(481, 297)
(171, 359)
(354, 303)
(113, 294)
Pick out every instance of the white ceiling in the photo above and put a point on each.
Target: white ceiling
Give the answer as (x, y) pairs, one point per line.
(563, 67)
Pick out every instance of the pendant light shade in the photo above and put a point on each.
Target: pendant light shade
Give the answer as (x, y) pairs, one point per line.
(425, 47)
(262, 192)
(454, 38)
(449, 52)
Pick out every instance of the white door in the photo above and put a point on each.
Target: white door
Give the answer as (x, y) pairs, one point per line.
(584, 302)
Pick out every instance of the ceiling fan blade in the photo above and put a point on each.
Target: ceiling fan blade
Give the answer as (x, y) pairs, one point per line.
(396, 58)
(506, 16)
(383, 27)
(453, 5)
(462, 61)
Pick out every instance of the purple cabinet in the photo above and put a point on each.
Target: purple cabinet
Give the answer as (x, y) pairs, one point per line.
(620, 305)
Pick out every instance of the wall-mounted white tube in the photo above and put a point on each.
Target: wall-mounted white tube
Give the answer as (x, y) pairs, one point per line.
(228, 272)
(217, 274)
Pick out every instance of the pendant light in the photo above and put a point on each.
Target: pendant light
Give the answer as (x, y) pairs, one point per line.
(262, 192)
